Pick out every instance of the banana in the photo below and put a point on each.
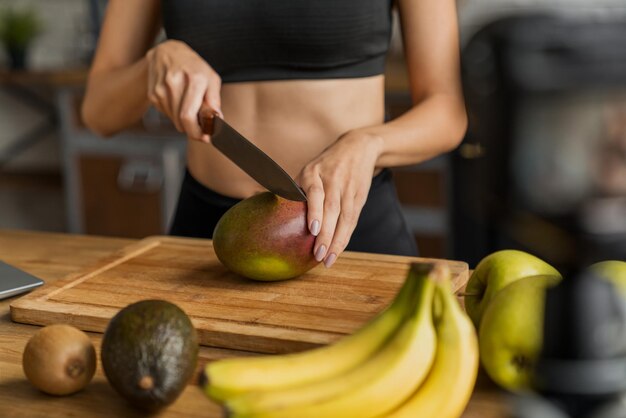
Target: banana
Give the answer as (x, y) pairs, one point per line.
(449, 385)
(226, 378)
(375, 387)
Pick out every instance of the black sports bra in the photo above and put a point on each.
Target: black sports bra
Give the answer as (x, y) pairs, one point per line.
(253, 40)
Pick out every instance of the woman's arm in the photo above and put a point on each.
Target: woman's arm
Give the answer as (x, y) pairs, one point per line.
(117, 95)
(437, 121)
(127, 76)
(338, 180)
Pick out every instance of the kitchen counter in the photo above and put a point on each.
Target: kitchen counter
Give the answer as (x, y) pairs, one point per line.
(53, 256)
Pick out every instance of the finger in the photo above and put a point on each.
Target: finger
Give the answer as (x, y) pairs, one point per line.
(314, 189)
(156, 94)
(343, 231)
(332, 207)
(175, 85)
(160, 96)
(190, 106)
(152, 76)
(212, 97)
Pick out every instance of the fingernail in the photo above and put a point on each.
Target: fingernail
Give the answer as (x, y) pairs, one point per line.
(330, 260)
(320, 253)
(315, 227)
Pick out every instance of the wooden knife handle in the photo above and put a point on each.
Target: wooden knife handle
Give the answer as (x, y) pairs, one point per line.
(205, 119)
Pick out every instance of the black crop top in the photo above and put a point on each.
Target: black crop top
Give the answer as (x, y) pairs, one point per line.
(253, 40)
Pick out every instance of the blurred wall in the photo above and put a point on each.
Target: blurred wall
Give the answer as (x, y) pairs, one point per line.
(63, 44)
(475, 13)
(66, 26)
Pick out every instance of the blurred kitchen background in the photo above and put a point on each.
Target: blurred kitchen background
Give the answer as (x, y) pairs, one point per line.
(57, 176)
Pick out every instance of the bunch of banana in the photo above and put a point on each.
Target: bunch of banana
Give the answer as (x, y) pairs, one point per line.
(418, 358)
(449, 384)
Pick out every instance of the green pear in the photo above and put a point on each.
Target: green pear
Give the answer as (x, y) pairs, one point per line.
(495, 272)
(511, 331)
(614, 271)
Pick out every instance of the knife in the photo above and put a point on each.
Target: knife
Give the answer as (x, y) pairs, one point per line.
(249, 157)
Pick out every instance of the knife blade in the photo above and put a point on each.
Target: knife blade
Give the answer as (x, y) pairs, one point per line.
(250, 158)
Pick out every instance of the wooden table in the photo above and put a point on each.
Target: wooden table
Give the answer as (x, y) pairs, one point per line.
(51, 257)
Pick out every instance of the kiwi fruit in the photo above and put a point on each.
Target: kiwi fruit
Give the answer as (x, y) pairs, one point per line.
(59, 360)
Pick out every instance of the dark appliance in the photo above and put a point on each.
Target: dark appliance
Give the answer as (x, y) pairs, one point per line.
(543, 169)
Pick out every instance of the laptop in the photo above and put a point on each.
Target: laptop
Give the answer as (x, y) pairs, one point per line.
(14, 281)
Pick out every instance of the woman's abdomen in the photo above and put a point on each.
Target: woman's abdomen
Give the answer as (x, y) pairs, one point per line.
(292, 121)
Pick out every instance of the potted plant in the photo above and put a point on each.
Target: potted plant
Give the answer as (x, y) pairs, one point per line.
(17, 31)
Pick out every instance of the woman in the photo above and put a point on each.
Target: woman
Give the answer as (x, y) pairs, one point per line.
(303, 80)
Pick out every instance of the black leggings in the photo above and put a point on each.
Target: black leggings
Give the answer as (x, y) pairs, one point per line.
(381, 227)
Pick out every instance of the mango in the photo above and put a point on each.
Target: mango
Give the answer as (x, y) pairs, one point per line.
(265, 237)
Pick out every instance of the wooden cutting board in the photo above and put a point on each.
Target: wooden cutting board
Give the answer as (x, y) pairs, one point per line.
(227, 310)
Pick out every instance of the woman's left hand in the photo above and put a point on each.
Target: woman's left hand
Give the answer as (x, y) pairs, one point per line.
(336, 184)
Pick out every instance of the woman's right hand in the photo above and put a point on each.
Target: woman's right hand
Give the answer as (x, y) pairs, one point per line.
(180, 83)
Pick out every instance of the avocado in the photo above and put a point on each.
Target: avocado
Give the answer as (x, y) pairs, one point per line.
(149, 353)
(265, 237)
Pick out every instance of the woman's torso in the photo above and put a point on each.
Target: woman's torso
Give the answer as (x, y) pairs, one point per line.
(292, 121)
(297, 75)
